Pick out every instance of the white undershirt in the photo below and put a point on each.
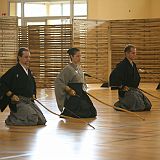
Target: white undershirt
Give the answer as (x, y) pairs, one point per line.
(26, 70)
(131, 62)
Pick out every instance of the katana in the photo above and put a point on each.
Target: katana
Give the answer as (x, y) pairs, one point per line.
(63, 116)
(121, 86)
(118, 108)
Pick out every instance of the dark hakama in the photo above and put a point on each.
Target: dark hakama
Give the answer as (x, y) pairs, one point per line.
(158, 87)
(79, 106)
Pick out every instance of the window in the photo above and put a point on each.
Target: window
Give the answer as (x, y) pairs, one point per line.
(66, 10)
(35, 23)
(19, 9)
(55, 10)
(58, 21)
(35, 10)
(80, 9)
(47, 12)
(59, 10)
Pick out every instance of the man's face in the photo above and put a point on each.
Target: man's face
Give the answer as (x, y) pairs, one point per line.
(24, 60)
(132, 54)
(76, 58)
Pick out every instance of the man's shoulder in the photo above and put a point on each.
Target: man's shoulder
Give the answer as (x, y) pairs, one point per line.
(12, 69)
(122, 63)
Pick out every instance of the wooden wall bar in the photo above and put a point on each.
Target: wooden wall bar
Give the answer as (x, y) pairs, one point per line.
(101, 44)
(92, 38)
(145, 35)
(48, 46)
(8, 42)
(23, 36)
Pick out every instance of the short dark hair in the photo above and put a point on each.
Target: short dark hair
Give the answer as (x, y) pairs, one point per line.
(72, 51)
(128, 47)
(20, 52)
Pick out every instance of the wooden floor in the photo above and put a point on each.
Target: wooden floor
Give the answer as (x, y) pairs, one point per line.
(117, 135)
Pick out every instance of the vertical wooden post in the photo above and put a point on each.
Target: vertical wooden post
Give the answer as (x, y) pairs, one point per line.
(109, 51)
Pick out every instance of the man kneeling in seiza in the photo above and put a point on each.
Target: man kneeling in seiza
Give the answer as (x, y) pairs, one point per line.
(126, 77)
(17, 90)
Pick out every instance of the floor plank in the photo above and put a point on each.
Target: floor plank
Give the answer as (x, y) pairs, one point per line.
(117, 135)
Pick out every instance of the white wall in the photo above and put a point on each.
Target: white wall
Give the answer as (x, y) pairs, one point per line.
(155, 9)
(119, 9)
